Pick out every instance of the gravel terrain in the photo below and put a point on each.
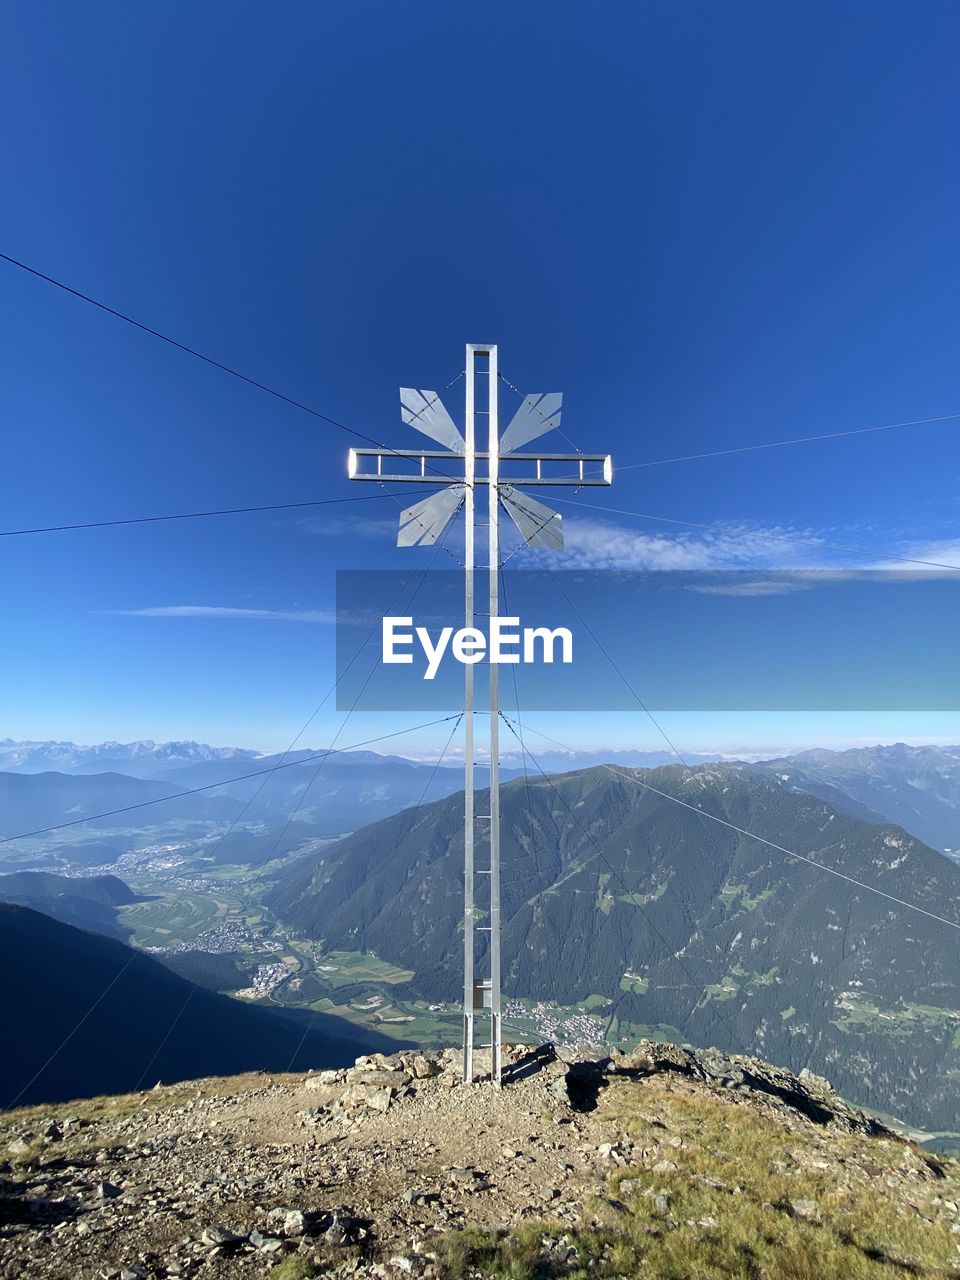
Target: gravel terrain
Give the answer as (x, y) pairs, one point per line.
(361, 1172)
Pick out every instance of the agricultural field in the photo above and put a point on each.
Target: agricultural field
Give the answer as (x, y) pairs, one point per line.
(181, 918)
(858, 1014)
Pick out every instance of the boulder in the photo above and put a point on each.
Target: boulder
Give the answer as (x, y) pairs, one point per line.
(323, 1079)
(422, 1068)
(366, 1097)
(378, 1076)
(217, 1237)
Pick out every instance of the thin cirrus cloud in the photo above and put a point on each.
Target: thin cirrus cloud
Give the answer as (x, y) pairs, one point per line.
(602, 544)
(943, 551)
(227, 613)
(350, 525)
(800, 556)
(752, 586)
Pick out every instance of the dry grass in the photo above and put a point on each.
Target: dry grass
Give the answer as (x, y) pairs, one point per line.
(516, 1256)
(120, 1106)
(31, 1157)
(731, 1203)
(879, 1202)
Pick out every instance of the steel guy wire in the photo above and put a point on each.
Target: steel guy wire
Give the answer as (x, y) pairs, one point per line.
(631, 896)
(840, 875)
(433, 774)
(423, 571)
(200, 515)
(326, 697)
(211, 786)
(136, 953)
(609, 657)
(780, 444)
(193, 351)
(811, 540)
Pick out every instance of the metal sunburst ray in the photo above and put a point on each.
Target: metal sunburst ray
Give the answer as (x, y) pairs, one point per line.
(539, 525)
(425, 411)
(539, 413)
(424, 522)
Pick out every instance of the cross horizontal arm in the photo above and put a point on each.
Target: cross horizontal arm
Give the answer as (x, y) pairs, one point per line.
(512, 457)
(578, 469)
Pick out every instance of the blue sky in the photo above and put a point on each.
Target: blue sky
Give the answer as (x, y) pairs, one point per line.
(710, 226)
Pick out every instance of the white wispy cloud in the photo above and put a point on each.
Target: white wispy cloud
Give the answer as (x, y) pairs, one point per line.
(803, 556)
(603, 544)
(937, 552)
(753, 586)
(226, 613)
(350, 525)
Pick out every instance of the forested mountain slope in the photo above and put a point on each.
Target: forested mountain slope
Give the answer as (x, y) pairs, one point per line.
(612, 888)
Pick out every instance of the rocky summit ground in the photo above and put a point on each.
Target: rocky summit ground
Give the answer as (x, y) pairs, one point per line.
(664, 1163)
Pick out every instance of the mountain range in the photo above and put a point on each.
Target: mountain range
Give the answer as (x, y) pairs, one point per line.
(138, 759)
(613, 890)
(148, 759)
(918, 787)
(43, 784)
(315, 799)
(30, 801)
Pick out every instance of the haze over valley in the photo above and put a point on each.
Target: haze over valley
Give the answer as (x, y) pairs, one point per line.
(332, 887)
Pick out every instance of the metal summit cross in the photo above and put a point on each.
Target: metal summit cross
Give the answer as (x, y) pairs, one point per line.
(501, 468)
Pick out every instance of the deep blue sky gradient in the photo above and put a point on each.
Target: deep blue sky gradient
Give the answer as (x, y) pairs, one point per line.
(708, 225)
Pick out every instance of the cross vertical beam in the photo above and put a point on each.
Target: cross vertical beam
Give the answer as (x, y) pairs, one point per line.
(493, 494)
(485, 993)
(469, 816)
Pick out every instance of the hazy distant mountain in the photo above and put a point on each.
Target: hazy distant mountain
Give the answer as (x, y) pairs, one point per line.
(613, 890)
(321, 797)
(136, 759)
(120, 1019)
(89, 902)
(918, 787)
(556, 761)
(332, 795)
(29, 801)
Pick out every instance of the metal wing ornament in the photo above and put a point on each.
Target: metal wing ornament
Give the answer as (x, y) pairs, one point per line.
(539, 526)
(425, 411)
(423, 523)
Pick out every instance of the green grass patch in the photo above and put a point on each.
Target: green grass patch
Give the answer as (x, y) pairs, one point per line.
(633, 982)
(744, 1201)
(344, 968)
(515, 1256)
(723, 990)
(729, 894)
(756, 979)
(644, 899)
(860, 1015)
(295, 1267)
